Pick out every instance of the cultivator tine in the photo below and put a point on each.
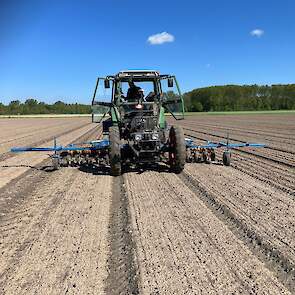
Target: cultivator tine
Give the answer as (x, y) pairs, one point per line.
(73, 154)
(56, 161)
(54, 143)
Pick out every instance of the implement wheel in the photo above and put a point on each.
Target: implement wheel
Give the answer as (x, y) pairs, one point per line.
(115, 151)
(177, 150)
(226, 158)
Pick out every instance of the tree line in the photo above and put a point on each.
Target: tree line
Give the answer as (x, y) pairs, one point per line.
(213, 98)
(33, 106)
(241, 98)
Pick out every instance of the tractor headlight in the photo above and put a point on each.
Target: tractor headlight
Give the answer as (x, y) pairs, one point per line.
(138, 137)
(155, 136)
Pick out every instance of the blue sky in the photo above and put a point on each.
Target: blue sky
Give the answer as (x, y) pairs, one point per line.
(52, 50)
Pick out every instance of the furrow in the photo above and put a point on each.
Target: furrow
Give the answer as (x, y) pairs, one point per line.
(32, 245)
(261, 245)
(183, 248)
(7, 155)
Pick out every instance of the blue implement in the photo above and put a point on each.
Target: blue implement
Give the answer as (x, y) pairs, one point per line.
(97, 151)
(212, 145)
(35, 149)
(102, 144)
(92, 146)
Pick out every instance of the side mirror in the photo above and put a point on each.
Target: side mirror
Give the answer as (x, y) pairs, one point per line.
(170, 82)
(106, 83)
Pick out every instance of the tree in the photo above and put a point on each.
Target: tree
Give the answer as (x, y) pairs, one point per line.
(241, 98)
(14, 107)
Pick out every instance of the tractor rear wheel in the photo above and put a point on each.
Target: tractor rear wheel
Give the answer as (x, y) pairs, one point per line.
(115, 151)
(177, 150)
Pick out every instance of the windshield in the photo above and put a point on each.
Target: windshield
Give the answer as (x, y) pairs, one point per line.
(145, 89)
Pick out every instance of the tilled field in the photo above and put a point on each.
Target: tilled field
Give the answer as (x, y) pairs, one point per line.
(210, 230)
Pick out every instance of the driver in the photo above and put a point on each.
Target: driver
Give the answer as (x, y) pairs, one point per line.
(134, 92)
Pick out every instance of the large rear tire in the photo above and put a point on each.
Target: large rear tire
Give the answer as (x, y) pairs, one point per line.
(115, 151)
(177, 150)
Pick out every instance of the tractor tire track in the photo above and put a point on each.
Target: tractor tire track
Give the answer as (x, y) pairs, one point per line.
(123, 273)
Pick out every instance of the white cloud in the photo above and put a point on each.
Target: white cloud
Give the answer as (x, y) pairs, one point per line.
(160, 38)
(257, 33)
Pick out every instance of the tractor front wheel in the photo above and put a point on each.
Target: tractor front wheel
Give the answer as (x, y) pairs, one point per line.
(115, 151)
(177, 150)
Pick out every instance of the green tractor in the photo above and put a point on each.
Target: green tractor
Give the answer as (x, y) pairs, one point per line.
(132, 106)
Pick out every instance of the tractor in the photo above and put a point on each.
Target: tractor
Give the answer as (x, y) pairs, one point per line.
(136, 126)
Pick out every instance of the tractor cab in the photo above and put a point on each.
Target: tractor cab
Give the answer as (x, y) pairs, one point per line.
(157, 90)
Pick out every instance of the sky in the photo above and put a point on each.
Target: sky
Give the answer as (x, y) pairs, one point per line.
(54, 50)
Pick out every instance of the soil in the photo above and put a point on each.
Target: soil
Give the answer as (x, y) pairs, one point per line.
(209, 230)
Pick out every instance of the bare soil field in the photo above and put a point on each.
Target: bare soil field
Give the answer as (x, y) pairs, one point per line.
(34, 131)
(209, 230)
